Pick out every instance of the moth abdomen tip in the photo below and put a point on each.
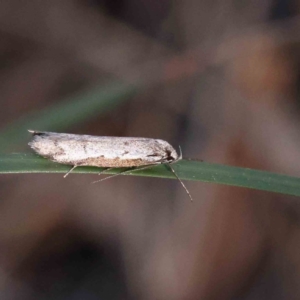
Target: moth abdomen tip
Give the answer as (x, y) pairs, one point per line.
(35, 132)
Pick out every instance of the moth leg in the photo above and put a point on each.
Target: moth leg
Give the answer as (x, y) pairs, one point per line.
(126, 171)
(69, 171)
(104, 170)
(187, 191)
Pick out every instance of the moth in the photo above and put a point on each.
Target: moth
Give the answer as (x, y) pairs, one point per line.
(105, 152)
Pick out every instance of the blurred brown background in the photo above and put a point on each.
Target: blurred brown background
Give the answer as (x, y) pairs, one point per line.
(221, 79)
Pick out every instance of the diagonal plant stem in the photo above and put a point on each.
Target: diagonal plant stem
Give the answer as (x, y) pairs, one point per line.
(62, 115)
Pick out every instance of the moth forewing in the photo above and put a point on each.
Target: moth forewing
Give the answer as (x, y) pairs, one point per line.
(106, 152)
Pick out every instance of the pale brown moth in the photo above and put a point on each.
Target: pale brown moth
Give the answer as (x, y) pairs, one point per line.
(105, 152)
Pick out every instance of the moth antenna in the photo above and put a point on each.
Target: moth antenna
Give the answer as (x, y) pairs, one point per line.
(180, 153)
(187, 191)
(124, 172)
(69, 171)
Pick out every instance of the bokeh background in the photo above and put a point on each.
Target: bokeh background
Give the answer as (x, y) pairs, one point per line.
(220, 79)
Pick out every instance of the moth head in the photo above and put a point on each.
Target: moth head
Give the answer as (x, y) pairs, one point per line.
(172, 155)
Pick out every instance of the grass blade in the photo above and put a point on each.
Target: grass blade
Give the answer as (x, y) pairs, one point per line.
(186, 170)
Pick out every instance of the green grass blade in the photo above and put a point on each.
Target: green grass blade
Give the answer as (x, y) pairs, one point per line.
(186, 170)
(66, 113)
